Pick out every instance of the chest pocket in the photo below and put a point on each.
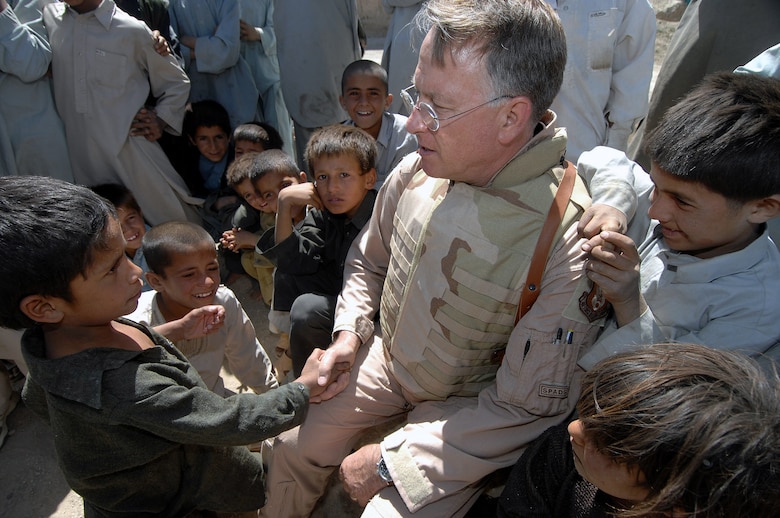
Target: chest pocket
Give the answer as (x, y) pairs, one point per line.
(108, 69)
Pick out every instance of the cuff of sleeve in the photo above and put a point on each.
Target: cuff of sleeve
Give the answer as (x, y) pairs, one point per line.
(412, 485)
(355, 323)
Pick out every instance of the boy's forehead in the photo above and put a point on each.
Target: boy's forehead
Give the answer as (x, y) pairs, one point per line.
(331, 158)
(191, 256)
(367, 80)
(275, 179)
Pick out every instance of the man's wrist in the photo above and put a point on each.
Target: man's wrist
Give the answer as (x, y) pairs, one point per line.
(383, 472)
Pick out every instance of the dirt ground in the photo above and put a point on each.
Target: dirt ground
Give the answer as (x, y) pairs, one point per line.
(31, 484)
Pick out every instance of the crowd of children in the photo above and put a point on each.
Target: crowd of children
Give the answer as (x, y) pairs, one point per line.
(129, 337)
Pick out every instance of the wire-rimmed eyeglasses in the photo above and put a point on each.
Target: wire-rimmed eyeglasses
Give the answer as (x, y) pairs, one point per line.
(432, 121)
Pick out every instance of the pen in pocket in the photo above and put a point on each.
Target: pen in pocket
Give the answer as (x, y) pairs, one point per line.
(558, 336)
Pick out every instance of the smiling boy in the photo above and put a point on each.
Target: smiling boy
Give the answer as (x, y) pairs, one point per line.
(184, 272)
(137, 432)
(705, 270)
(309, 258)
(365, 97)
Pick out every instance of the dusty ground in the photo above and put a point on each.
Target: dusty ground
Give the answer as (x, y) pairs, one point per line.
(31, 485)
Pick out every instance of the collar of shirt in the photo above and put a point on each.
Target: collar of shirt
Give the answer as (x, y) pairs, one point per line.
(78, 377)
(689, 269)
(103, 13)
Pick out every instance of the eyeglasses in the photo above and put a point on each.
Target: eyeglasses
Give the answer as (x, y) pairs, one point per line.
(432, 121)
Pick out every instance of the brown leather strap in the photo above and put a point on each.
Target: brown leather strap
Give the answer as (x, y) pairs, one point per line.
(533, 281)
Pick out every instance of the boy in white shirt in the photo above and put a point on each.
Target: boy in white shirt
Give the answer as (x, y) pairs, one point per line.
(184, 272)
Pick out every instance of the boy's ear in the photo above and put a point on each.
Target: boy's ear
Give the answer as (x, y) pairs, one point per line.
(370, 179)
(341, 102)
(191, 140)
(388, 101)
(764, 209)
(302, 176)
(154, 281)
(41, 309)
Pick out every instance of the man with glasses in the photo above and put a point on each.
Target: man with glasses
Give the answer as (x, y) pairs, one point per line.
(443, 262)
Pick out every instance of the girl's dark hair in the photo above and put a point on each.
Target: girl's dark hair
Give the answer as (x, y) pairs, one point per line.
(702, 425)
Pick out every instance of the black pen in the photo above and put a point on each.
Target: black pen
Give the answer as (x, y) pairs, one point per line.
(527, 348)
(558, 336)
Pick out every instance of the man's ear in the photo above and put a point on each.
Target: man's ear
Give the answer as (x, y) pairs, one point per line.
(515, 119)
(388, 101)
(154, 281)
(41, 309)
(764, 209)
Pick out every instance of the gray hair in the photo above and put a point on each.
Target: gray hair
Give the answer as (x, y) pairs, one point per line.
(522, 42)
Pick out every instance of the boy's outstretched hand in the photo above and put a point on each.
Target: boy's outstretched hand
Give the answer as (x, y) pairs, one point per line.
(195, 324)
(310, 374)
(614, 266)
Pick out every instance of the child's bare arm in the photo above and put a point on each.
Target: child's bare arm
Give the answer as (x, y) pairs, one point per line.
(290, 199)
(614, 266)
(195, 324)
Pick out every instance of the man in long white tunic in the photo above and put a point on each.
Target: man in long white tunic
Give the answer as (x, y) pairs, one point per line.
(104, 63)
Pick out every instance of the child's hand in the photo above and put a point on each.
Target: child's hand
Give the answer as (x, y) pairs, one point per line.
(197, 323)
(298, 195)
(249, 32)
(161, 44)
(596, 219)
(614, 266)
(310, 373)
(237, 239)
(146, 124)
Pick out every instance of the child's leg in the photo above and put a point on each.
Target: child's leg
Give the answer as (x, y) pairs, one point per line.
(311, 326)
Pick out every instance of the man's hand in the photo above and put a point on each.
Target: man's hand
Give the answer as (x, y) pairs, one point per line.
(161, 45)
(147, 124)
(249, 32)
(596, 219)
(336, 365)
(359, 475)
(614, 266)
(197, 323)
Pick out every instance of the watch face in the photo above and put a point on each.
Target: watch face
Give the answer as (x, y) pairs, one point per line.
(383, 472)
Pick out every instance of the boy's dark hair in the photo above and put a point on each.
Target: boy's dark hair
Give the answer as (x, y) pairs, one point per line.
(117, 194)
(702, 425)
(260, 133)
(724, 134)
(205, 113)
(240, 169)
(48, 231)
(340, 139)
(161, 242)
(273, 161)
(365, 67)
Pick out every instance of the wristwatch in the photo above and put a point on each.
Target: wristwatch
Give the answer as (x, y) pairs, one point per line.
(382, 471)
